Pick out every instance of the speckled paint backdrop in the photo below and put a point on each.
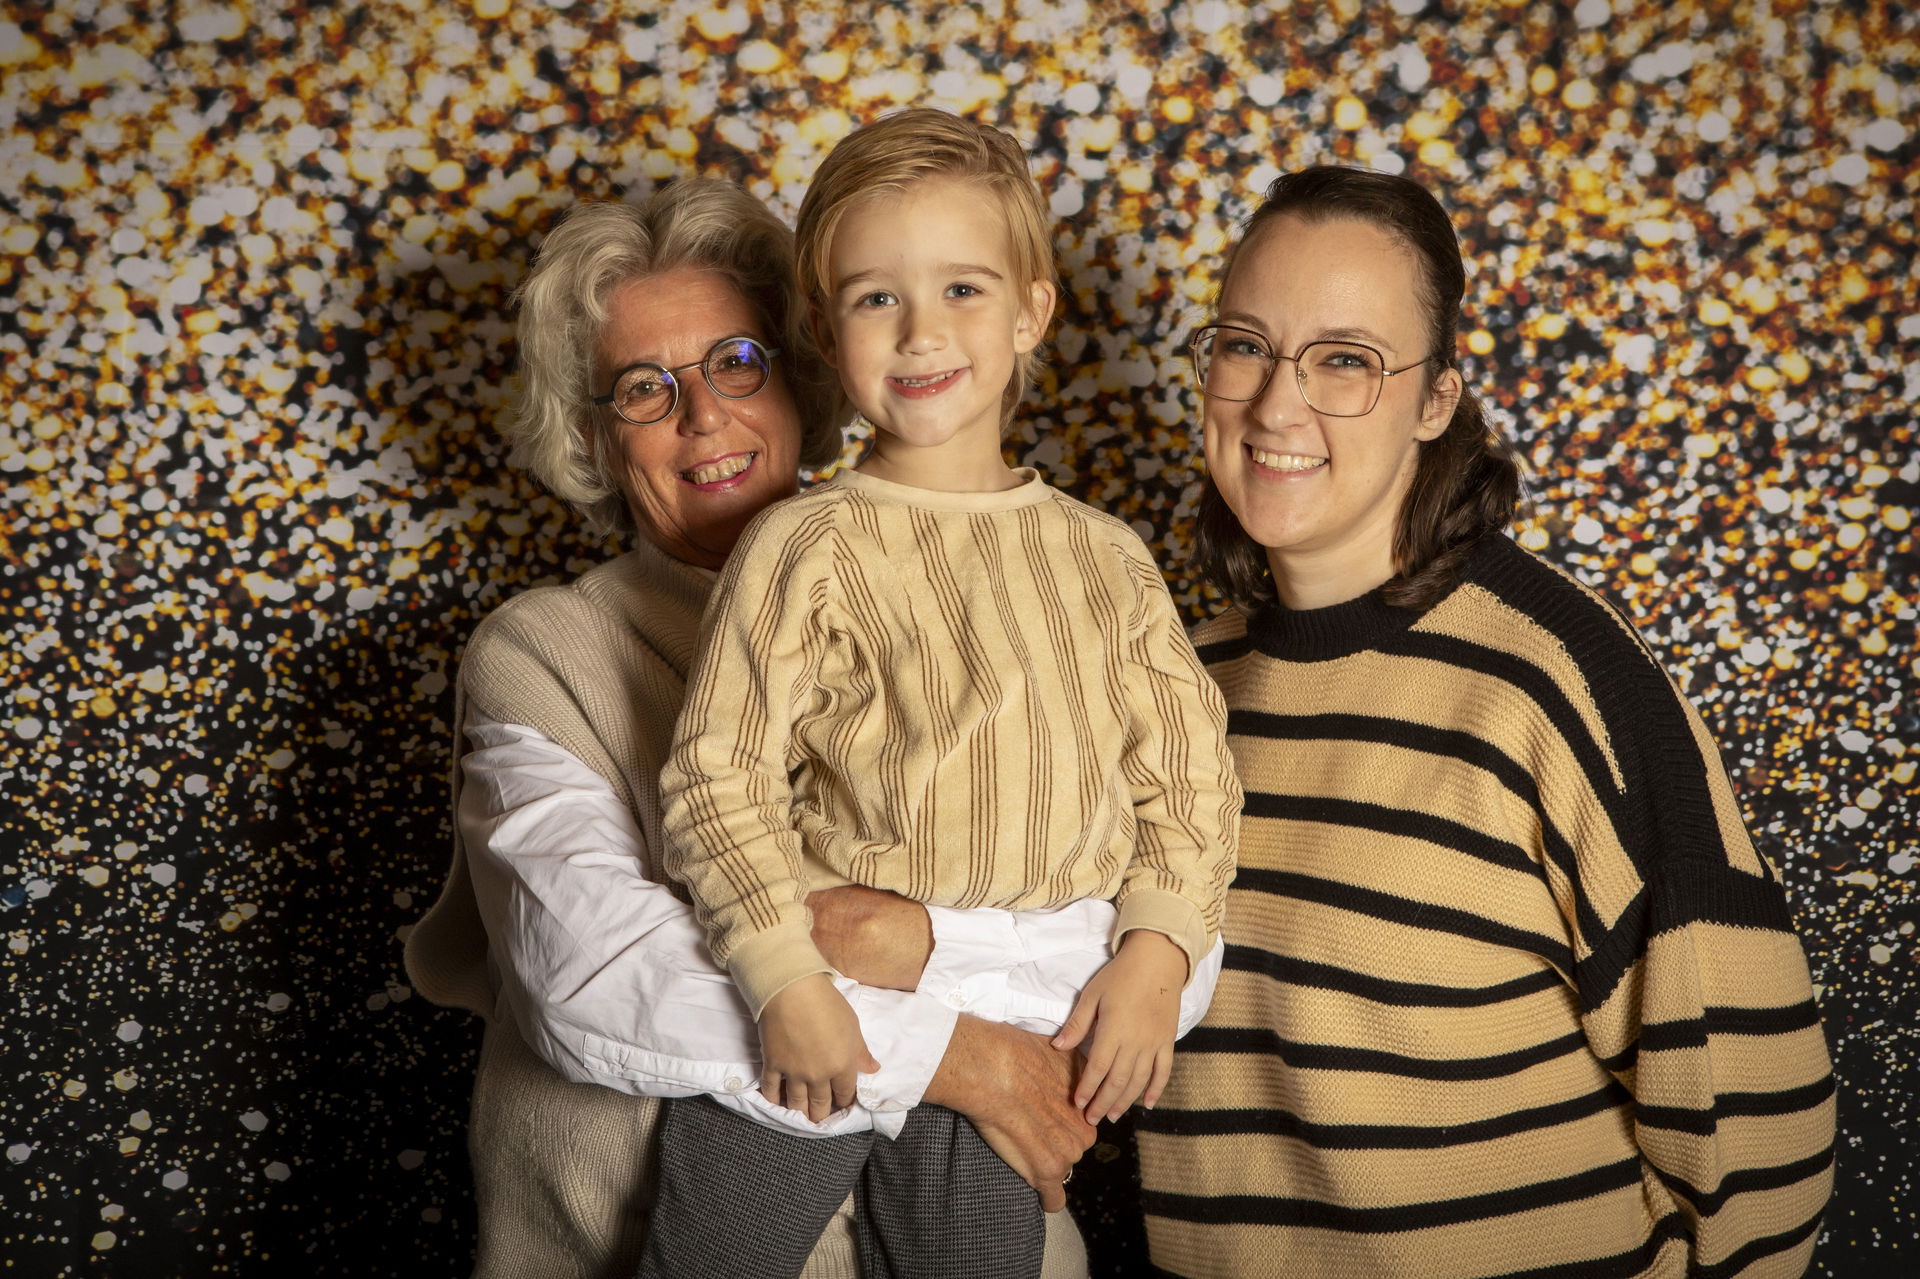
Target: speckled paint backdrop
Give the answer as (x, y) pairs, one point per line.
(254, 263)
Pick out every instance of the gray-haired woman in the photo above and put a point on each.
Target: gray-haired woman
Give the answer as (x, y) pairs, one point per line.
(669, 390)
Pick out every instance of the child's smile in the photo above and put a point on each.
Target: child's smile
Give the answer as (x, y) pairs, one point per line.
(915, 388)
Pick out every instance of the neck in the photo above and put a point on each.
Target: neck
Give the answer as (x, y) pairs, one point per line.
(1307, 581)
(957, 466)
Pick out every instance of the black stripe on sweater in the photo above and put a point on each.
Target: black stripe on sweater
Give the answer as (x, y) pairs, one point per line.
(1446, 743)
(1262, 1210)
(1685, 891)
(1301, 1056)
(1404, 994)
(1631, 1264)
(1747, 1180)
(1404, 911)
(1284, 1123)
(1727, 1105)
(1740, 1258)
(1540, 688)
(1693, 1032)
(1402, 822)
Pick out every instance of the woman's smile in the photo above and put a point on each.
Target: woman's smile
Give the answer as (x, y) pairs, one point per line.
(1286, 463)
(719, 472)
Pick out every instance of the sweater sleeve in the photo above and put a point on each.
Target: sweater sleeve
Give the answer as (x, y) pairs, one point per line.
(1186, 795)
(725, 790)
(1698, 999)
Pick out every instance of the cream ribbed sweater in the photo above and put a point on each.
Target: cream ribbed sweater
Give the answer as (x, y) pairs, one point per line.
(971, 699)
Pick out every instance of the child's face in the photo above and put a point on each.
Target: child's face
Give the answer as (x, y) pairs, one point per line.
(926, 317)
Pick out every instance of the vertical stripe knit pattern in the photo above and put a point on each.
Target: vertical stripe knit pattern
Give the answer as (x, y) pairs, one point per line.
(972, 699)
(1508, 990)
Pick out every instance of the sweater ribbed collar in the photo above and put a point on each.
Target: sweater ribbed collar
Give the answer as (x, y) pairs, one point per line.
(1323, 634)
(1340, 630)
(1030, 491)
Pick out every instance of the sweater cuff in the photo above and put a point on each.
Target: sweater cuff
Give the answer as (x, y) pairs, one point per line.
(1160, 911)
(767, 963)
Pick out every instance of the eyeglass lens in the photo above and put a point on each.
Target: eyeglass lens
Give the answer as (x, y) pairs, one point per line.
(735, 368)
(1341, 379)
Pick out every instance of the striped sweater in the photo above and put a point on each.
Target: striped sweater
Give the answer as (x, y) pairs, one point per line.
(1508, 990)
(970, 699)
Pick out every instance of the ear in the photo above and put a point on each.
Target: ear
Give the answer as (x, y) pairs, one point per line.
(1442, 398)
(1032, 324)
(822, 330)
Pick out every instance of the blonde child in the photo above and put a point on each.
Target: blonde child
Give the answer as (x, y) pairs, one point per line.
(939, 676)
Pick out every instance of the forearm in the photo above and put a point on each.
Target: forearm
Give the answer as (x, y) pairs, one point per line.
(1185, 792)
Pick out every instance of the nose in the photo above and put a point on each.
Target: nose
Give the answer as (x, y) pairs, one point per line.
(702, 410)
(921, 330)
(1281, 402)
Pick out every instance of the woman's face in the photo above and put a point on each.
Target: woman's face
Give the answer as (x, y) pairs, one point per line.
(695, 478)
(1323, 494)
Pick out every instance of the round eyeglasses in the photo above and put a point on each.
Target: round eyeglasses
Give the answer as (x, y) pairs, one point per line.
(734, 368)
(1339, 379)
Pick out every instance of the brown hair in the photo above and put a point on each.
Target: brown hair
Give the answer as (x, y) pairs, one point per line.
(922, 143)
(1466, 481)
(705, 223)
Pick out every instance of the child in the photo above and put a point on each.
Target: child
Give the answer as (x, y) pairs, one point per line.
(939, 676)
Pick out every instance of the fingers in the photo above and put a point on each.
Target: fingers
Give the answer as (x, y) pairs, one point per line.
(772, 1084)
(1053, 1195)
(1162, 1070)
(1100, 1056)
(845, 1091)
(1078, 1022)
(1117, 1091)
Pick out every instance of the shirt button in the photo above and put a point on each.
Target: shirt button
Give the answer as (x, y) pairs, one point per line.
(735, 1083)
(958, 999)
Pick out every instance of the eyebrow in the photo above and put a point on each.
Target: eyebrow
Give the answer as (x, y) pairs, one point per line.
(1343, 333)
(946, 268)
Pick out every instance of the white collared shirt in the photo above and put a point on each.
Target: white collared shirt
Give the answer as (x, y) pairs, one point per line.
(608, 976)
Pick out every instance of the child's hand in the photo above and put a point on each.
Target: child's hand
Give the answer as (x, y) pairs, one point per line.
(1133, 1006)
(811, 1049)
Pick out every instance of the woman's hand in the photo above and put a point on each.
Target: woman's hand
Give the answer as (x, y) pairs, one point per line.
(811, 1049)
(1015, 1089)
(878, 938)
(1133, 1008)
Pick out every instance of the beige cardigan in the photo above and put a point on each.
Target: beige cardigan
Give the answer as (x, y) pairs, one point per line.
(563, 1172)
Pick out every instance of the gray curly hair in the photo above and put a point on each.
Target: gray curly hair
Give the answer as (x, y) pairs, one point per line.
(705, 223)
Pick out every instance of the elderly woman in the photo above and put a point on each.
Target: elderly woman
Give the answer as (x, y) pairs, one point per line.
(1508, 989)
(670, 391)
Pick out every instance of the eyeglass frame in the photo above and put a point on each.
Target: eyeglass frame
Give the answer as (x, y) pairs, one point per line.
(1299, 373)
(772, 353)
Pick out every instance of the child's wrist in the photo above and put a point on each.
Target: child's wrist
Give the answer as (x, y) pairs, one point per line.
(1151, 940)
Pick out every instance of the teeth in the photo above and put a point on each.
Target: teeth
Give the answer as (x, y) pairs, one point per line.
(1285, 461)
(923, 381)
(725, 469)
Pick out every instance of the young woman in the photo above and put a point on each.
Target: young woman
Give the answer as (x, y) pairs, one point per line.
(1508, 990)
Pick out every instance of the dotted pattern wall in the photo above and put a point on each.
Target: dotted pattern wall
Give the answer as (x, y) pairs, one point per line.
(254, 335)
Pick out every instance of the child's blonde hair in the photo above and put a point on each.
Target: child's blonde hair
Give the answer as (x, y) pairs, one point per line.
(892, 154)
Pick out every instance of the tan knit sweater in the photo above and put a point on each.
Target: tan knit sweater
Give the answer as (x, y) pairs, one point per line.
(971, 699)
(563, 1172)
(1508, 989)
